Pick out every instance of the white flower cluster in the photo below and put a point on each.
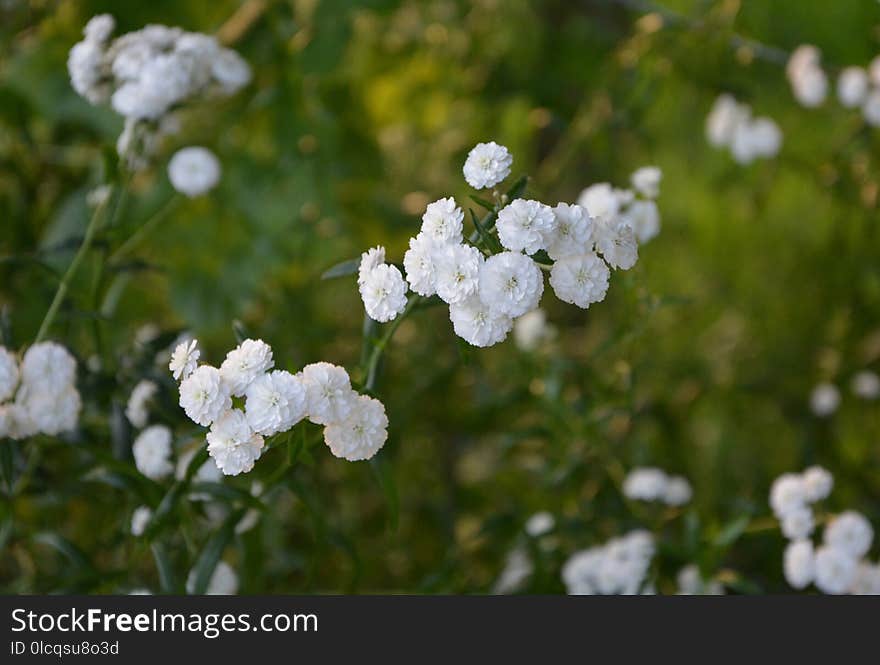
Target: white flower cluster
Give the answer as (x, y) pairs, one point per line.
(825, 398)
(620, 566)
(38, 395)
(806, 77)
(487, 292)
(838, 565)
(730, 125)
(355, 426)
(147, 73)
(650, 484)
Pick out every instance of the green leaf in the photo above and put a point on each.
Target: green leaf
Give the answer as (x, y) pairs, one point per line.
(7, 465)
(167, 581)
(731, 532)
(70, 551)
(483, 202)
(343, 269)
(212, 552)
(240, 330)
(518, 188)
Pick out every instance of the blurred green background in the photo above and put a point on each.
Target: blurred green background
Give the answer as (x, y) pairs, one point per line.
(763, 282)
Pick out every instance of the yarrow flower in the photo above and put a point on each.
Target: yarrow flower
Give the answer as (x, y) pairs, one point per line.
(540, 524)
(152, 452)
(384, 293)
(866, 385)
(532, 329)
(651, 484)
(824, 399)
(580, 279)
(646, 181)
(799, 563)
(475, 323)
(233, 444)
(511, 284)
(730, 124)
(276, 401)
(184, 359)
(442, 221)
(418, 262)
(523, 225)
(139, 520)
(204, 395)
(137, 408)
(362, 433)
(458, 272)
(808, 82)
(194, 171)
(245, 363)
(618, 567)
(487, 164)
(329, 395)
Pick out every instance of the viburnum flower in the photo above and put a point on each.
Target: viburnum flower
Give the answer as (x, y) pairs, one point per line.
(644, 218)
(223, 582)
(152, 452)
(184, 359)
(48, 366)
(443, 221)
(137, 408)
(245, 363)
(194, 171)
(384, 293)
(370, 259)
(523, 224)
(276, 401)
(615, 241)
(204, 396)
(849, 532)
(580, 280)
(646, 181)
(835, 569)
(329, 396)
(511, 284)
(475, 323)
(787, 494)
(816, 484)
(139, 520)
(799, 564)
(571, 234)
(601, 201)
(361, 434)
(487, 164)
(8, 374)
(419, 265)
(458, 272)
(233, 444)
(797, 523)
(852, 86)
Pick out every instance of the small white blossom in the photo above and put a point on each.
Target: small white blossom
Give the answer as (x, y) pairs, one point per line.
(691, 583)
(797, 523)
(866, 384)
(8, 374)
(419, 265)
(139, 520)
(458, 272)
(644, 218)
(184, 359)
(571, 234)
(816, 484)
(616, 242)
(726, 116)
(601, 201)
(474, 322)
(329, 396)
(866, 581)
(824, 400)
(372, 258)
(849, 532)
(48, 366)
(645, 484)
(275, 402)
(808, 82)
(646, 181)
(523, 224)
(204, 396)
(871, 108)
(539, 524)
(362, 434)
(678, 491)
(245, 363)
(511, 284)
(787, 494)
(233, 444)
(46, 411)
(799, 563)
(152, 452)
(531, 330)
(137, 409)
(443, 221)
(99, 28)
(194, 171)
(580, 280)
(852, 87)
(618, 567)
(517, 570)
(384, 293)
(487, 164)
(835, 569)
(230, 70)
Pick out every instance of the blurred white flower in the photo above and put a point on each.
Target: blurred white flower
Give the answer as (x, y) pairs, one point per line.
(866, 581)
(204, 396)
(531, 330)
(797, 523)
(487, 164)
(798, 563)
(691, 583)
(824, 399)
(48, 367)
(230, 70)
(678, 491)
(329, 396)
(618, 567)
(139, 520)
(852, 86)
(523, 224)
(152, 452)
(644, 218)
(646, 181)
(233, 444)
(787, 494)
(808, 82)
(99, 28)
(245, 363)
(849, 532)
(645, 484)
(600, 201)
(539, 524)
(871, 108)
(443, 221)
(194, 171)
(137, 409)
(817, 484)
(835, 569)
(726, 116)
(517, 569)
(866, 384)
(362, 433)
(275, 402)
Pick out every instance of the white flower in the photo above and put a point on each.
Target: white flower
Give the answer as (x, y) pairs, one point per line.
(511, 284)
(372, 258)
(276, 401)
(645, 484)
(678, 491)
(419, 265)
(808, 82)
(329, 396)
(204, 396)
(230, 70)
(852, 86)
(866, 581)
(865, 384)
(691, 583)
(49, 367)
(849, 532)
(615, 240)
(580, 280)
(233, 444)
(139, 520)
(458, 272)
(798, 563)
(619, 566)
(871, 108)
(723, 120)
(137, 408)
(824, 399)
(816, 484)
(601, 201)
(646, 181)
(787, 494)
(245, 363)
(523, 224)
(487, 164)
(797, 523)
(184, 359)
(8, 374)
(99, 28)
(384, 293)
(474, 322)
(531, 329)
(835, 569)
(361, 434)
(760, 137)
(442, 221)
(194, 171)
(571, 234)
(539, 524)
(152, 452)
(223, 582)
(517, 569)
(86, 66)
(46, 411)
(644, 218)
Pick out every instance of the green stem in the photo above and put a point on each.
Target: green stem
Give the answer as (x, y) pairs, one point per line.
(145, 229)
(379, 347)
